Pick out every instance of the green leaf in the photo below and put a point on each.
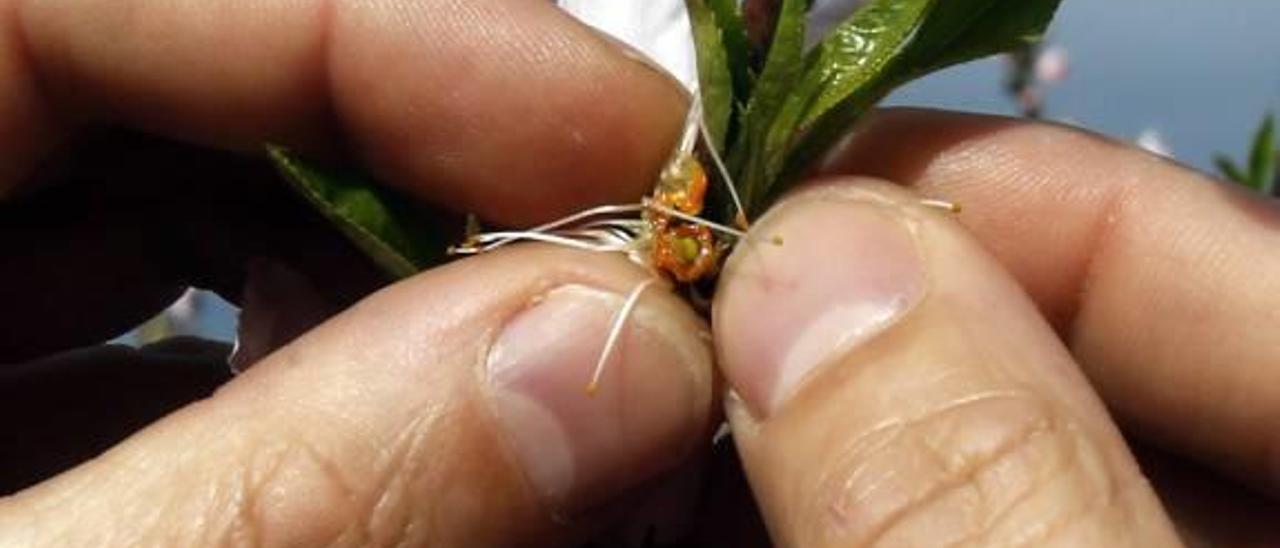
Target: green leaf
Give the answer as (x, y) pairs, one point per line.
(860, 54)
(1004, 27)
(383, 223)
(749, 157)
(1230, 170)
(847, 66)
(1262, 159)
(715, 81)
(733, 33)
(885, 44)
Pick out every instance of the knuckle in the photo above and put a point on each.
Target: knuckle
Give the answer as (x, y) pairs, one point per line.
(291, 491)
(303, 492)
(988, 468)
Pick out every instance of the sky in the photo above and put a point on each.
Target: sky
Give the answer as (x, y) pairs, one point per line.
(1200, 72)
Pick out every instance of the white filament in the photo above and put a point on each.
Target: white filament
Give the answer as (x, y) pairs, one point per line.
(692, 219)
(615, 332)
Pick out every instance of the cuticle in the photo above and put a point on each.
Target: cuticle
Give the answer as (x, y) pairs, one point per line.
(541, 289)
(909, 219)
(554, 506)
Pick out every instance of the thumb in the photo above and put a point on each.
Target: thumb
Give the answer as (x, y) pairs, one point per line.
(896, 388)
(447, 410)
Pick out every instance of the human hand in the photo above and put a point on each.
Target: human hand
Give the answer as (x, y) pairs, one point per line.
(383, 425)
(898, 388)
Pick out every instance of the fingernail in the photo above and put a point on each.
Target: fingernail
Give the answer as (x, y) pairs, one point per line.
(820, 276)
(578, 447)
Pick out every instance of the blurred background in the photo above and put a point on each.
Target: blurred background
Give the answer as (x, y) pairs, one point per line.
(1185, 78)
(1198, 74)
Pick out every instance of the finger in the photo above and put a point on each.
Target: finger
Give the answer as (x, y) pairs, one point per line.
(898, 389)
(508, 109)
(448, 410)
(1164, 282)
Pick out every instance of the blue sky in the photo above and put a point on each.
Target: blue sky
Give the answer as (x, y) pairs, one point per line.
(1202, 72)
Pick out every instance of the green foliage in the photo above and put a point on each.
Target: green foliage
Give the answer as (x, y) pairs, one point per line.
(1263, 159)
(1003, 27)
(783, 65)
(714, 76)
(384, 224)
(803, 103)
(733, 31)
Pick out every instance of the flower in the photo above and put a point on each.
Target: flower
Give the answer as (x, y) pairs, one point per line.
(1052, 65)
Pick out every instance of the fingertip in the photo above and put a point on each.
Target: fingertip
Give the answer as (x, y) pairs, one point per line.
(516, 112)
(579, 439)
(1153, 273)
(889, 369)
(828, 268)
(449, 409)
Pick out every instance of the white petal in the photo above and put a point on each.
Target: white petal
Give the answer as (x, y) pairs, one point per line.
(658, 28)
(1052, 65)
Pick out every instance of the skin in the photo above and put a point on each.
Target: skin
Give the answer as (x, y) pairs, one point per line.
(1116, 294)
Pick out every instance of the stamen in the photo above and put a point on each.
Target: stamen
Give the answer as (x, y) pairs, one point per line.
(493, 240)
(692, 121)
(694, 219)
(586, 213)
(949, 207)
(723, 171)
(615, 332)
(623, 224)
(612, 234)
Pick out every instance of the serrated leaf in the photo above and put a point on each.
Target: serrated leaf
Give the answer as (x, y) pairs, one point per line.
(861, 53)
(1262, 158)
(715, 82)
(881, 46)
(1230, 170)
(1004, 27)
(733, 34)
(784, 63)
(854, 58)
(849, 60)
(383, 223)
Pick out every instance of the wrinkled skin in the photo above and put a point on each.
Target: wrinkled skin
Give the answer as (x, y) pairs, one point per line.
(1087, 290)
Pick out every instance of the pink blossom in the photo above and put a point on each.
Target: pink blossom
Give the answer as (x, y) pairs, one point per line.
(1052, 65)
